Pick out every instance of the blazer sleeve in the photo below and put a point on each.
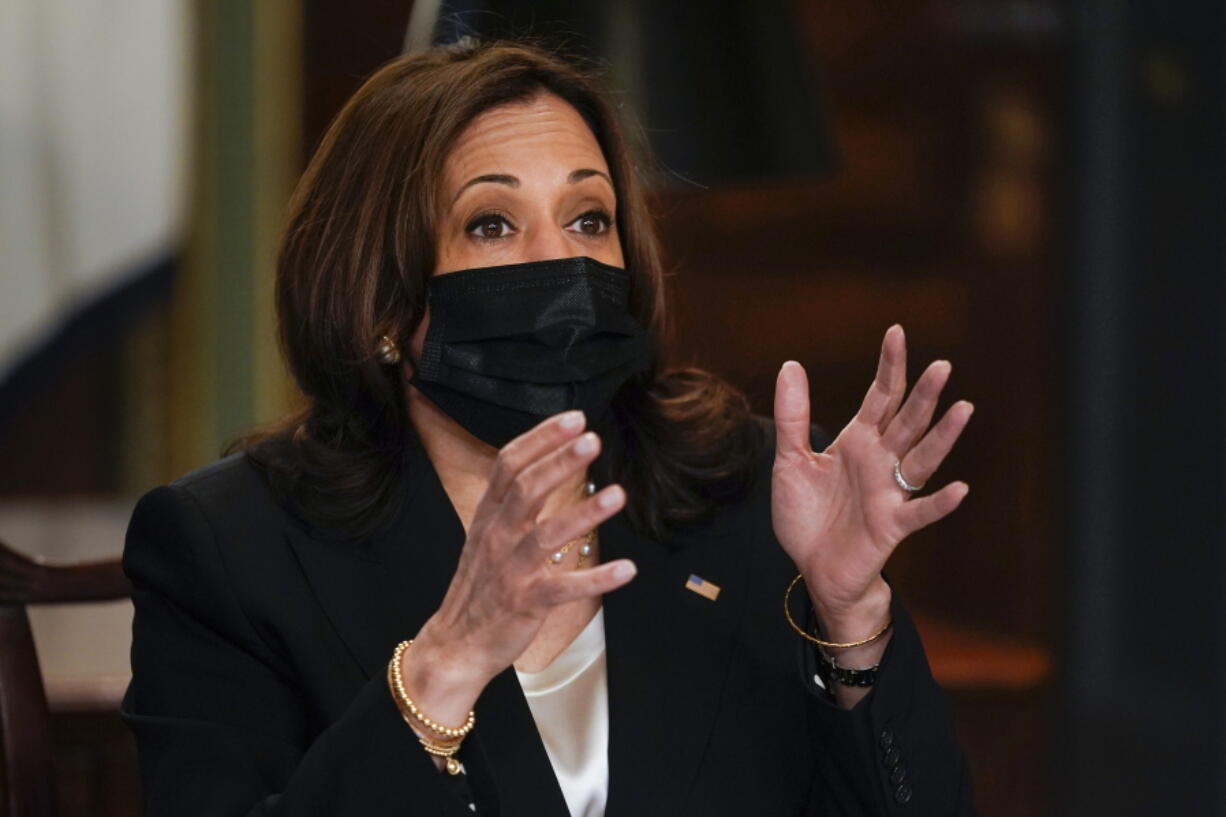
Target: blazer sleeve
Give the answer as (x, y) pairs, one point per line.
(222, 727)
(895, 752)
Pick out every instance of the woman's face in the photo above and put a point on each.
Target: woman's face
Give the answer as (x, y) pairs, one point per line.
(525, 182)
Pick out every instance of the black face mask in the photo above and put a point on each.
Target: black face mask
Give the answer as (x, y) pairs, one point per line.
(509, 346)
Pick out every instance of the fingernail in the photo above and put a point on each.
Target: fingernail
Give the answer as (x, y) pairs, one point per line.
(571, 420)
(586, 444)
(624, 570)
(609, 497)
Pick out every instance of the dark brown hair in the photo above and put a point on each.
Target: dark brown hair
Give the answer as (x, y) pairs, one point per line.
(357, 251)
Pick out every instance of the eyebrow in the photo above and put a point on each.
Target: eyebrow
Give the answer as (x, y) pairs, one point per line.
(575, 177)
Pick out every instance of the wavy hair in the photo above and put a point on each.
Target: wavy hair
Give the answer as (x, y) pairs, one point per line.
(358, 248)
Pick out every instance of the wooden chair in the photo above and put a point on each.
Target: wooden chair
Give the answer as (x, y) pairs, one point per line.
(28, 783)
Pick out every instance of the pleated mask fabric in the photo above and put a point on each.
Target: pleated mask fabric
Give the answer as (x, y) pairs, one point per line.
(508, 346)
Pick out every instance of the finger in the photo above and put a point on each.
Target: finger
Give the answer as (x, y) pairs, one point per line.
(916, 413)
(555, 532)
(926, 457)
(530, 446)
(526, 495)
(792, 410)
(570, 585)
(886, 391)
(896, 347)
(921, 512)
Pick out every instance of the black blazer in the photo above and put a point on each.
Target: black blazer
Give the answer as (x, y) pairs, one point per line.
(259, 673)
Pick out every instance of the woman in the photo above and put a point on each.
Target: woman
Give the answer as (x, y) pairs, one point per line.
(470, 297)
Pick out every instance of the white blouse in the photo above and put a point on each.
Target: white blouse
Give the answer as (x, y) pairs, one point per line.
(569, 700)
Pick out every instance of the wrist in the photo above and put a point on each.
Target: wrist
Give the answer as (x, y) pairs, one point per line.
(438, 676)
(856, 620)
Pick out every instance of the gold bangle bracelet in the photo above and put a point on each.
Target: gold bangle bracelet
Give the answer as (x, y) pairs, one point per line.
(445, 752)
(834, 645)
(439, 748)
(406, 704)
(423, 734)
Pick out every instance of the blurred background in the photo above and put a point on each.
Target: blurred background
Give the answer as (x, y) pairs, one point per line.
(1035, 190)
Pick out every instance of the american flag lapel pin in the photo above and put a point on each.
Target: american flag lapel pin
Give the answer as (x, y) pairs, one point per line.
(708, 590)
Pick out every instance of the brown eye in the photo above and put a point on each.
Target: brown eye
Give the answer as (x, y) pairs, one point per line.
(489, 226)
(593, 222)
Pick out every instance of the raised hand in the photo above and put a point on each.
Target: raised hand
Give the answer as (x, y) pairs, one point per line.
(504, 585)
(840, 513)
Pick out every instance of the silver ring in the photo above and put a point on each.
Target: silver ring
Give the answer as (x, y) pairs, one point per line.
(902, 481)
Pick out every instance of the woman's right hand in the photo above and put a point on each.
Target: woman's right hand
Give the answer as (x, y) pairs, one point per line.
(505, 585)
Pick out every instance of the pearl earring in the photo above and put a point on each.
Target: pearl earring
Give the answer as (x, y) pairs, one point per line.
(387, 351)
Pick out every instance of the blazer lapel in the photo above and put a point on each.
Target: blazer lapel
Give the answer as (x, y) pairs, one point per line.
(668, 653)
(380, 592)
(354, 590)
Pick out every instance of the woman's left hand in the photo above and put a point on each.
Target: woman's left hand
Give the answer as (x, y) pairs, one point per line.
(840, 513)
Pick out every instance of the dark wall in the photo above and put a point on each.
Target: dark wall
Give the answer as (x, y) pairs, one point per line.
(1145, 682)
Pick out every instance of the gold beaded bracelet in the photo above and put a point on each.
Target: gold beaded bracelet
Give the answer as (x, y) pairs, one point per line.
(402, 697)
(787, 613)
(451, 736)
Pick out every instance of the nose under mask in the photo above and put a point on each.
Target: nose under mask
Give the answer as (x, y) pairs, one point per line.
(508, 346)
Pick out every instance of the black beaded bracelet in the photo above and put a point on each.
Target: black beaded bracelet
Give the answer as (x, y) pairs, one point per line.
(865, 677)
